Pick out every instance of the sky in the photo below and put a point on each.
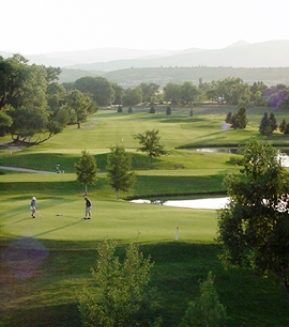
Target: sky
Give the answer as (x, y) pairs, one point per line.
(44, 26)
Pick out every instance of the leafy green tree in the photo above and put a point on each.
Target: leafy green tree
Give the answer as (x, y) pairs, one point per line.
(24, 97)
(55, 96)
(118, 167)
(254, 226)
(27, 122)
(206, 310)
(99, 87)
(79, 105)
(118, 93)
(173, 93)
(52, 74)
(211, 94)
(149, 91)
(189, 93)
(257, 90)
(234, 90)
(150, 143)
(86, 170)
(132, 97)
(121, 295)
(5, 121)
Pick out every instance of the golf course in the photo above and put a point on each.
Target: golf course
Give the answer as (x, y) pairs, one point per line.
(46, 262)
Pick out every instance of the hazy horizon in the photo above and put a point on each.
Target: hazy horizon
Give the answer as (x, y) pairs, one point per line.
(37, 27)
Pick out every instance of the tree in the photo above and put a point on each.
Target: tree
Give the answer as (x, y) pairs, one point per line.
(234, 91)
(282, 126)
(254, 227)
(132, 97)
(228, 119)
(273, 121)
(152, 110)
(25, 96)
(173, 93)
(86, 170)
(265, 125)
(79, 105)
(150, 142)
(149, 91)
(268, 124)
(207, 310)
(102, 92)
(121, 295)
(118, 167)
(189, 92)
(5, 121)
(118, 93)
(239, 119)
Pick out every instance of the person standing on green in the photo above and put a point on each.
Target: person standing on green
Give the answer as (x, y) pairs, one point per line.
(33, 206)
(88, 206)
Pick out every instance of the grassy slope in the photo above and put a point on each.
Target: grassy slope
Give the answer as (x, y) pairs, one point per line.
(46, 296)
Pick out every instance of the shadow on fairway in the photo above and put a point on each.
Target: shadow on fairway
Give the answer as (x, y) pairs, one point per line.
(56, 229)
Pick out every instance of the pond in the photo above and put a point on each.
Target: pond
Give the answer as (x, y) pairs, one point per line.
(211, 203)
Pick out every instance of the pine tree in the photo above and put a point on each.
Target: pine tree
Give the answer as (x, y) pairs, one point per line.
(282, 126)
(206, 310)
(228, 119)
(265, 125)
(122, 296)
(273, 121)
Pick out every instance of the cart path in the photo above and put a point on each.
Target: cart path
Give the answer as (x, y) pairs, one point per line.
(27, 170)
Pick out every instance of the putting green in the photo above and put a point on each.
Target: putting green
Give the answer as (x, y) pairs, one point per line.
(58, 219)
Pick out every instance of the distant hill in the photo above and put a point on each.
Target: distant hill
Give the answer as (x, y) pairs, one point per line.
(266, 54)
(267, 62)
(239, 54)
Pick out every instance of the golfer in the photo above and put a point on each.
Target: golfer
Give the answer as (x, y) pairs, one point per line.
(87, 208)
(33, 206)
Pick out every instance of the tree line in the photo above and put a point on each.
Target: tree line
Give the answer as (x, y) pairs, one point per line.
(34, 105)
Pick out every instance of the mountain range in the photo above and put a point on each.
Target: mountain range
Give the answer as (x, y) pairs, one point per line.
(240, 54)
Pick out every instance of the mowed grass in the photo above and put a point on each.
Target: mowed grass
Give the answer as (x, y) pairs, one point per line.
(126, 222)
(43, 292)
